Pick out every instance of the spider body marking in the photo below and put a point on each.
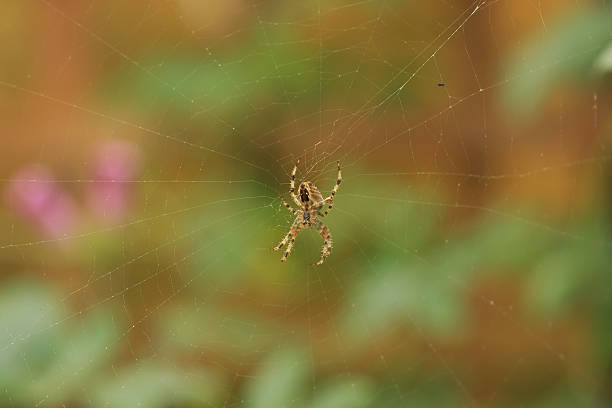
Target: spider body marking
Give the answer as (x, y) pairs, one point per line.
(310, 202)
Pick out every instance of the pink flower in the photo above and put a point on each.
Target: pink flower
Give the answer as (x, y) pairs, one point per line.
(34, 195)
(115, 164)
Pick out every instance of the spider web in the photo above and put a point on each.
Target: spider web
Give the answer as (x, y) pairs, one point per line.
(151, 141)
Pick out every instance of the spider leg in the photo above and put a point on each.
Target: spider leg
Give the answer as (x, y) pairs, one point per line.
(282, 243)
(330, 199)
(323, 214)
(294, 231)
(287, 237)
(291, 210)
(322, 203)
(327, 241)
(292, 184)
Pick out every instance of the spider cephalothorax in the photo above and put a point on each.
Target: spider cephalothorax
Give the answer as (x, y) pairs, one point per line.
(310, 202)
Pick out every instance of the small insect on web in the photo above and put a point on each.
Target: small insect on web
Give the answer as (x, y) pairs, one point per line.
(310, 203)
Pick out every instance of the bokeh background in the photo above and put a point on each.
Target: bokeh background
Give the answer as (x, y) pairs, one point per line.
(145, 147)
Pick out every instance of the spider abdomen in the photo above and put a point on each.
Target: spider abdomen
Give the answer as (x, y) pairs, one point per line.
(310, 193)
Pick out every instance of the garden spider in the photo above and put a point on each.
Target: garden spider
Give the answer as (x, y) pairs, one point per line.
(310, 202)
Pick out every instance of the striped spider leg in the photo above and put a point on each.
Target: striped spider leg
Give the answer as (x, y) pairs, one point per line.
(330, 199)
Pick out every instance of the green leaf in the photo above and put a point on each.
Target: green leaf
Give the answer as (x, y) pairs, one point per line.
(83, 352)
(220, 85)
(281, 381)
(404, 296)
(226, 241)
(603, 63)
(45, 363)
(28, 340)
(189, 329)
(495, 243)
(568, 50)
(155, 385)
(380, 301)
(373, 215)
(553, 282)
(346, 393)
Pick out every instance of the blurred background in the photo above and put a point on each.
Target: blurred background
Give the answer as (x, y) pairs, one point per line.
(146, 145)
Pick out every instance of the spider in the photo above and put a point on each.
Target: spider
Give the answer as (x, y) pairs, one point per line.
(310, 203)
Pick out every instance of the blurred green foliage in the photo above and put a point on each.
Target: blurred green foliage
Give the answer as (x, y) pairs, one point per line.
(150, 384)
(44, 361)
(414, 279)
(575, 48)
